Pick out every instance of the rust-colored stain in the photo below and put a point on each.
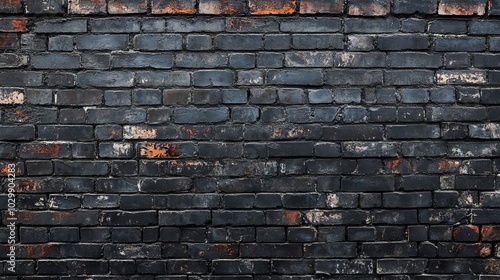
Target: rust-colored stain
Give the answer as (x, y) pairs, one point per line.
(291, 217)
(490, 233)
(484, 250)
(272, 7)
(157, 150)
(17, 25)
(5, 40)
(4, 170)
(174, 7)
(461, 9)
(37, 251)
(369, 10)
(51, 150)
(188, 131)
(28, 185)
(446, 165)
(119, 8)
(238, 23)
(224, 7)
(22, 116)
(226, 249)
(393, 164)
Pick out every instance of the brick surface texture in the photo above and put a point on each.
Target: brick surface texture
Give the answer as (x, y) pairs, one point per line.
(250, 139)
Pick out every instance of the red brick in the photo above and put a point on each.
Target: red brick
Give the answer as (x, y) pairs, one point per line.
(11, 6)
(461, 7)
(127, 6)
(13, 25)
(272, 7)
(222, 7)
(9, 41)
(87, 7)
(321, 6)
(181, 7)
(369, 7)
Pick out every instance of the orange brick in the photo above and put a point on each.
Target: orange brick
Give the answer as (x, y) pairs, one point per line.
(462, 7)
(369, 7)
(13, 25)
(321, 7)
(181, 7)
(127, 6)
(222, 7)
(272, 7)
(87, 7)
(490, 233)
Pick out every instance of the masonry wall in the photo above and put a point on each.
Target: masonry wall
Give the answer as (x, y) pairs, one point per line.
(266, 140)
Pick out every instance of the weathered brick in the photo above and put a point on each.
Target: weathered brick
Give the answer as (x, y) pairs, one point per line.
(369, 8)
(461, 7)
(11, 6)
(87, 7)
(12, 96)
(142, 60)
(295, 77)
(13, 25)
(354, 77)
(61, 43)
(254, 25)
(195, 25)
(154, 79)
(200, 60)
(120, 116)
(217, 7)
(344, 267)
(321, 7)
(272, 7)
(127, 7)
(44, 7)
(102, 42)
(106, 79)
(411, 7)
(173, 7)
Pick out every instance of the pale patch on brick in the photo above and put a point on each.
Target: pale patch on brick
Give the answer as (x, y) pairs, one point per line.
(121, 149)
(317, 217)
(332, 200)
(11, 96)
(444, 78)
(461, 9)
(137, 132)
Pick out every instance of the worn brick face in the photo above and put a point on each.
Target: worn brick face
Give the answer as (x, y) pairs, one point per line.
(173, 6)
(272, 7)
(127, 7)
(86, 7)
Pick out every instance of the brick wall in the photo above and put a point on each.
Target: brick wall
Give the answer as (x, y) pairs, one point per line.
(260, 139)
